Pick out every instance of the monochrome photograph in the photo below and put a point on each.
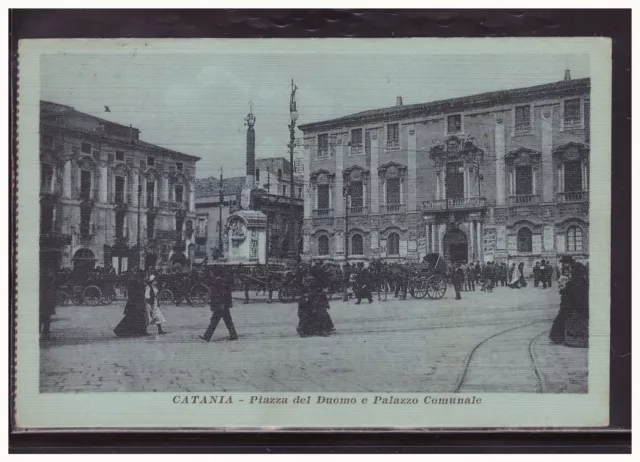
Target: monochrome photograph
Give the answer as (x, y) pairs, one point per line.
(269, 222)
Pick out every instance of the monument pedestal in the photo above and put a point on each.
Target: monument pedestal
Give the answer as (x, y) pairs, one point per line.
(247, 237)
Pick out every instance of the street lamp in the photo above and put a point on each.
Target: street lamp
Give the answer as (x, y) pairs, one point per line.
(293, 113)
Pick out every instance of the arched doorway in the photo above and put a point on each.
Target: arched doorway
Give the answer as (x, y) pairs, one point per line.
(455, 245)
(84, 260)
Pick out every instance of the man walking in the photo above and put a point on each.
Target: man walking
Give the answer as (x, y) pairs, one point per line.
(457, 277)
(346, 278)
(363, 284)
(221, 303)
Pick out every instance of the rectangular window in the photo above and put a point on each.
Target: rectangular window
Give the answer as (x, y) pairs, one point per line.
(86, 148)
(454, 180)
(367, 143)
(119, 224)
(522, 121)
(85, 185)
(119, 190)
(85, 221)
(178, 193)
(573, 176)
(572, 113)
(120, 156)
(356, 191)
(151, 189)
(393, 191)
(179, 166)
(454, 123)
(46, 219)
(524, 181)
(356, 140)
(393, 136)
(151, 161)
(323, 145)
(150, 227)
(323, 196)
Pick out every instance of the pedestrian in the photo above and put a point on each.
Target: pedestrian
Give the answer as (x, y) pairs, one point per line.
(150, 296)
(470, 275)
(514, 277)
(548, 274)
(571, 325)
(542, 273)
(463, 268)
(521, 279)
(346, 279)
(457, 277)
(136, 317)
(221, 302)
(313, 309)
(47, 300)
(536, 273)
(364, 284)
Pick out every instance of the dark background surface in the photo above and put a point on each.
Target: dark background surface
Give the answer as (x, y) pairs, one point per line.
(366, 23)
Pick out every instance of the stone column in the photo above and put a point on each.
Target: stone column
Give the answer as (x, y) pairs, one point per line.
(411, 170)
(66, 180)
(442, 229)
(306, 187)
(500, 142)
(547, 161)
(134, 192)
(192, 197)
(104, 184)
(427, 238)
(339, 183)
(480, 241)
(472, 225)
(375, 196)
(165, 188)
(432, 233)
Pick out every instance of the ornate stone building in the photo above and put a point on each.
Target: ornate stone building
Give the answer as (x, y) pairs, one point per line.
(499, 176)
(97, 178)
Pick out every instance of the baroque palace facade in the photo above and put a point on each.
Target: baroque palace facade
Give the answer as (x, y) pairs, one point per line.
(500, 176)
(97, 178)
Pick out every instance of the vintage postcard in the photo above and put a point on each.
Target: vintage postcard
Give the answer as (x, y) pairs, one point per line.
(240, 234)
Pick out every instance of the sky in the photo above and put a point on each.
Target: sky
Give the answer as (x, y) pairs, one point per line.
(196, 102)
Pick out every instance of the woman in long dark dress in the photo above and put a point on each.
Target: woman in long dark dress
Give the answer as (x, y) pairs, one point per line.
(136, 318)
(313, 309)
(571, 325)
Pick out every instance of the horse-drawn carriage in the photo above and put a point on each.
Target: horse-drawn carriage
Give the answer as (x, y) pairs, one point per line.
(429, 278)
(85, 288)
(190, 287)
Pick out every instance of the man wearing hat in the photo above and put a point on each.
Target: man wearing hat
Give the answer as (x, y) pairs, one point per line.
(220, 303)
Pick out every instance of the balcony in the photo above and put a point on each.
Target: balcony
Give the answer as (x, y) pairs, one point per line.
(319, 213)
(394, 208)
(358, 210)
(573, 196)
(457, 203)
(525, 199)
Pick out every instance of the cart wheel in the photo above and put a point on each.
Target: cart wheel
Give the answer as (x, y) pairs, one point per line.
(199, 294)
(91, 295)
(165, 297)
(419, 289)
(62, 298)
(436, 286)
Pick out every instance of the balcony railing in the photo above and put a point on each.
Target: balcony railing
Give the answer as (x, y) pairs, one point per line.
(358, 210)
(394, 208)
(573, 196)
(524, 199)
(172, 205)
(457, 203)
(322, 212)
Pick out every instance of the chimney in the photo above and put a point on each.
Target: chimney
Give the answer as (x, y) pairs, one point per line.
(567, 74)
(399, 101)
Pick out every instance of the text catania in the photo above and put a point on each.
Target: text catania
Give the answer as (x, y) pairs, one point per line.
(202, 399)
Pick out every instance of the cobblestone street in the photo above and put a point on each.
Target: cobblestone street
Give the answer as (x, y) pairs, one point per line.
(394, 346)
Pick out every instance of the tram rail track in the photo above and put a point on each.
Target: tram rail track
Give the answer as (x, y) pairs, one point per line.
(541, 386)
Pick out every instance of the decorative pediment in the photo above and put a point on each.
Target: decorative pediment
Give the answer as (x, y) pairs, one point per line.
(87, 162)
(120, 168)
(151, 173)
(321, 176)
(455, 147)
(50, 156)
(523, 156)
(391, 169)
(355, 173)
(572, 151)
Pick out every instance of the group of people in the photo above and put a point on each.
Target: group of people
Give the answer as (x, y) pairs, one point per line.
(142, 309)
(465, 276)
